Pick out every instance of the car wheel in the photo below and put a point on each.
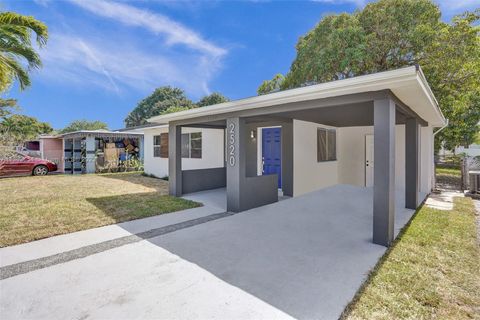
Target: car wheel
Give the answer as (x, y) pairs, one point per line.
(40, 170)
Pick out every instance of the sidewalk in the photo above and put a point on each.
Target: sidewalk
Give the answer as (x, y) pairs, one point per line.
(67, 242)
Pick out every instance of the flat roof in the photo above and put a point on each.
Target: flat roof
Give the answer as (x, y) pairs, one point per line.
(100, 133)
(408, 84)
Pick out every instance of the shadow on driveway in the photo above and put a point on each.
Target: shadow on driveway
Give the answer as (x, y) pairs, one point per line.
(306, 256)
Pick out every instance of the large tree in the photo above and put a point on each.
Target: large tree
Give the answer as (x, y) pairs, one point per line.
(17, 53)
(78, 125)
(211, 99)
(273, 85)
(167, 100)
(6, 107)
(160, 100)
(391, 34)
(18, 128)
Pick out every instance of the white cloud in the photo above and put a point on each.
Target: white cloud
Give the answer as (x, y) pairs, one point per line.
(175, 32)
(174, 55)
(113, 66)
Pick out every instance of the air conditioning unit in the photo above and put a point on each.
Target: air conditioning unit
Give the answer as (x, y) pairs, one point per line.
(474, 181)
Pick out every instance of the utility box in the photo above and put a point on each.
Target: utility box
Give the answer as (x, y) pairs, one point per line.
(474, 181)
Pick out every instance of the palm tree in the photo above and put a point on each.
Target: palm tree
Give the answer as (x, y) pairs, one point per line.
(17, 55)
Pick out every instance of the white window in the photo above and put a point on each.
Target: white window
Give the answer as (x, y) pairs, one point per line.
(192, 145)
(326, 145)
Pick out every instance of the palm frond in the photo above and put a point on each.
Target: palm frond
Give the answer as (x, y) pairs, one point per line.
(17, 70)
(17, 55)
(16, 49)
(29, 22)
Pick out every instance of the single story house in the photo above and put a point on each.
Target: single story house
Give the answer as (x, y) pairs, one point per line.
(371, 131)
(93, 151)
(199, 148)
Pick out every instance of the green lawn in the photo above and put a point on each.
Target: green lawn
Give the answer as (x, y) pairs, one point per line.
(449, 172)
(431, 272)
(39, 207)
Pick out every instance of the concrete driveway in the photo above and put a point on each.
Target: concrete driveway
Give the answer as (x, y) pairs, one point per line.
(303, 257)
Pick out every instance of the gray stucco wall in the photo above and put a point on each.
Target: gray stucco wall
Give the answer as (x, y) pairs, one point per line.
(259, 191)
(245, 192)
(203, 179)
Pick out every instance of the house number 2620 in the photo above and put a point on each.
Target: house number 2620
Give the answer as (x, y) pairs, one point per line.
(231, 144)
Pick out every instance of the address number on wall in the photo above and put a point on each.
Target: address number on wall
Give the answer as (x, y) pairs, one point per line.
(231, 144)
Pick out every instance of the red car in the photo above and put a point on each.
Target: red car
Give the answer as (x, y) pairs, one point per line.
(21, 164)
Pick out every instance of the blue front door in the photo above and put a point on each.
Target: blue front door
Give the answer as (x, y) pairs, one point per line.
(272, 152)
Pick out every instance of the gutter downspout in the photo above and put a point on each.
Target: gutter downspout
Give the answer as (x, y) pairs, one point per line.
(433, 147)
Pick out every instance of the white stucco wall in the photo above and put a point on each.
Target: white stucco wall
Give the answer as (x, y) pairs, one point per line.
(212, 152)
(426, 160)
(351, 155)
(308, 173)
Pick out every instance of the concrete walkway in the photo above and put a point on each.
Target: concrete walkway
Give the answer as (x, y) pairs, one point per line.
(75, 240)
(303, 257)
(443, 200)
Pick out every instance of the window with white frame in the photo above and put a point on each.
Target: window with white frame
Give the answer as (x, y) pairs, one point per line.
(160, 145)
(326, 144)
(192, 145)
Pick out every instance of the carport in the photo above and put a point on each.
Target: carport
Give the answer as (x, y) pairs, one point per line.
(382, 101)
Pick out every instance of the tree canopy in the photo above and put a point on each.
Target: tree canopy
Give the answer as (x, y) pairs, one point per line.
(167, 100)
(6, 107)
(16, 48)
(273, 85)
(211, 99)
(160, 100)
(18, 128)
(78, 125)
(391, 34)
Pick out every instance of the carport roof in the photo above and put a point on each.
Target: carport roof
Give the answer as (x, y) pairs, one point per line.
(407, 84)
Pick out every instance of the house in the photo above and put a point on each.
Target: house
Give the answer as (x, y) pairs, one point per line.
(373, 131)
(51, 148)
(199, 148)
(91, 151)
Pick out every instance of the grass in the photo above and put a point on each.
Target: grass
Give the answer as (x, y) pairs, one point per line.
(449, 172)
(38, 207)
(431, 272)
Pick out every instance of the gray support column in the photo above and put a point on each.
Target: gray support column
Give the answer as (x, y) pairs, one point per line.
(287, 158)
(90, 154)
(175, 160)
(412, 163)
(384, 172)
(236, 136)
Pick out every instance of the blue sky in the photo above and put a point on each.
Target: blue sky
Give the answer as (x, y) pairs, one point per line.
(104, 56)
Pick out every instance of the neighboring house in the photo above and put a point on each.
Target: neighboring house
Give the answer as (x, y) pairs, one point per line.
(472, 150)
(369, 131)
(91, 151)
(51, 148)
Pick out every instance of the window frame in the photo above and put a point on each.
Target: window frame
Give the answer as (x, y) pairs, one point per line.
(157, 146)
(330, 135)
(189, 145)
(160, 147)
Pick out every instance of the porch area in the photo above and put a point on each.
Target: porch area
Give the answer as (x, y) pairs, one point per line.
(305, 255)
(309, 158)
